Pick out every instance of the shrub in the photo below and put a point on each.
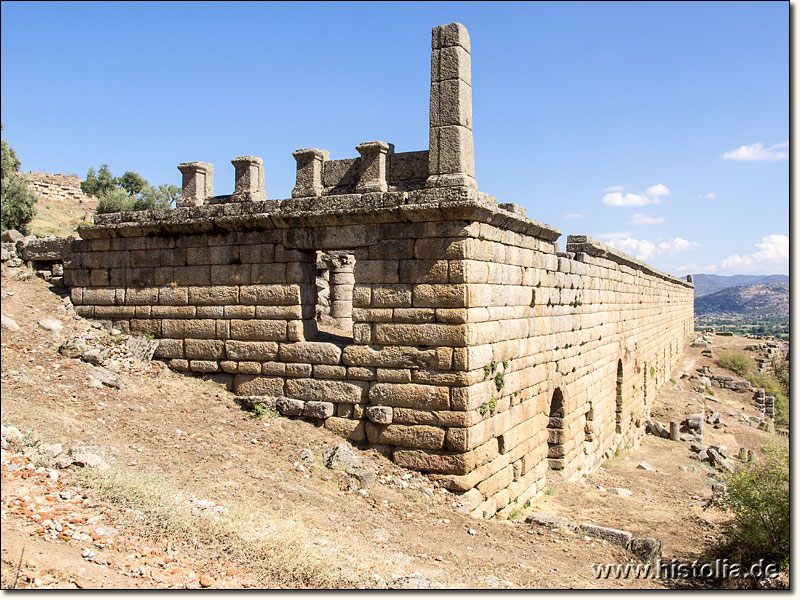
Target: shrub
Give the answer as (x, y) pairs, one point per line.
(738, 362)
(758, 497)
(113, 201)
(16, 198)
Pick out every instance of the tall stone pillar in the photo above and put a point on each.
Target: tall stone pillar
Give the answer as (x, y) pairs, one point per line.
(372, 173)
(249, 184)
(451, 159)
(310, 164)
(198, 183)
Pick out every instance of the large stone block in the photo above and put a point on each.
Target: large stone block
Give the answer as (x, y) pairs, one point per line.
(409, 436)
(257, 329)
(253, 385)
(270, 294)
(410, 395)
(429, 334)
(347, 428)
(204, 349)
(311, 352)
(326, 390)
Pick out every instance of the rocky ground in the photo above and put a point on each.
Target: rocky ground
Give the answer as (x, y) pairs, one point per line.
(118, 473)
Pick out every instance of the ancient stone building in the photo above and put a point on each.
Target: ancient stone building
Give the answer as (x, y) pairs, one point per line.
(392, 300)
(56, 187)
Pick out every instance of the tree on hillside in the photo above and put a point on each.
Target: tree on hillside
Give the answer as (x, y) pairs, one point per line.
(129, 192)
(17, 200)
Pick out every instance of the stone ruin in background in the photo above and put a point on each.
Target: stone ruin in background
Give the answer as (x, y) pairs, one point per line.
(394, 302)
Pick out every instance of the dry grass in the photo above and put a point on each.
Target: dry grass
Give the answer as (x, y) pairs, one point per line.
(278, 549)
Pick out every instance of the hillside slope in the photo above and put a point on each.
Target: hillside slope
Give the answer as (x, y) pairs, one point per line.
(766, 299)
(705, 284)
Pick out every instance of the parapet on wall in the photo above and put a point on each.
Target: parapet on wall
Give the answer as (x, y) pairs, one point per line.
(453, 336)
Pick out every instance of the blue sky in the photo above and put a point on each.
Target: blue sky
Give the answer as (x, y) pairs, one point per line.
(661, 128)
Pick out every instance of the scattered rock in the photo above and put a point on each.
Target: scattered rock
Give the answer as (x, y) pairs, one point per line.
(96, 356)
(547, 520)
(49, 324)
(495, 582)
(206, 581)
(626, 493)
(341, 456)
(366, 477)
(647, 549)
(614, 536)
(89, 460)
(8, 323)
(51, 450)
(11, 434)
(645, 467)
(306, 455)
(73, 347)
(105, 377)
(141, 348)
(412, 581)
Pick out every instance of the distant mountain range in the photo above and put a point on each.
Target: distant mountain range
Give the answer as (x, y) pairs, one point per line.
(710, 284)
(763, 300)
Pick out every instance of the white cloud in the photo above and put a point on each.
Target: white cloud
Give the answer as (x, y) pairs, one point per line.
(617, 199)
(758, 152)
(573, 216)
(651, 195)
(643, 219)
(657, 190)
(646, 250)
(772, 257)
(710, 196)
(615, 188)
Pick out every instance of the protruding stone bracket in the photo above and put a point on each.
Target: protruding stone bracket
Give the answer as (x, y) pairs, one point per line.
(372, 176)
(451, 159)
(249, 184)
(198, 183)
(310, 165)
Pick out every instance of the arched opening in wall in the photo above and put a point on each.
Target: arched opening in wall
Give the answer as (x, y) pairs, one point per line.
(555, 431)
(619, 396)
(334, 303)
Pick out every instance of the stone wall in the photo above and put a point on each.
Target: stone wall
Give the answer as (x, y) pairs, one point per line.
(397, 304)
(56, 187)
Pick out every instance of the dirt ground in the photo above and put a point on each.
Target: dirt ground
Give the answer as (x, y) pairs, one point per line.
(203, 494)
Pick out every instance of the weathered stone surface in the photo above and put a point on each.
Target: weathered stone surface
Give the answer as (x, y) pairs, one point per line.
(341, 456)
(647, 550)
(105, 377)
(350, 429)
(325, 390)
(410, 396)
(409, 436)
(319, 410)
(614, 536)
(547, 520)
(289, 407)
(381, 415)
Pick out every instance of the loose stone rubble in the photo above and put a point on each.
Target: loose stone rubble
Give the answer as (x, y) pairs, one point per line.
(394, 302)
